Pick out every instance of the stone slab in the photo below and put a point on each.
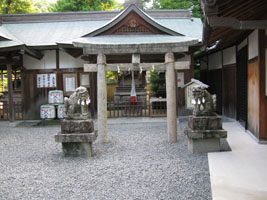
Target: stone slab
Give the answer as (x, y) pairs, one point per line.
(83, 149)
(204, 134)
(76, 137)
(77, 126)
(205, 122)
(204, 145)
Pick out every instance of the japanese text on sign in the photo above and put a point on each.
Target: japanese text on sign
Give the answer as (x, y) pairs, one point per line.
(46, 80)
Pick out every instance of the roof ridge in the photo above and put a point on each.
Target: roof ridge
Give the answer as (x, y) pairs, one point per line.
(123, 14)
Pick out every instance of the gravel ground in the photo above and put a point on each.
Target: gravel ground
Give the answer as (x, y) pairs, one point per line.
(137, 163)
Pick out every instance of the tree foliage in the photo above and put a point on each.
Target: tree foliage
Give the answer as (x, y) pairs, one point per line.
(83, 5)
(16, 6)
(42, 6)
(176, 4)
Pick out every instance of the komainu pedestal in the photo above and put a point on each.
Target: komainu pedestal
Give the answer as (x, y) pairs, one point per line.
(204, 129)
(77, 131)
(77, 137)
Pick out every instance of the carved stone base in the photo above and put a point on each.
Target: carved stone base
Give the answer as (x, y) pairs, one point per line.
(204, 133)
(77, 126)
(83, 149)
(79, 144)
(205, 122)
(77, 137)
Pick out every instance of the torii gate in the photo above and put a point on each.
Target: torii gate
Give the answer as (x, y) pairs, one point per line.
(169, 66)
(146, 36)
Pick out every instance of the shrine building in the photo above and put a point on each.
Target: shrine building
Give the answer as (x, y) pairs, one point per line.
(40, 52)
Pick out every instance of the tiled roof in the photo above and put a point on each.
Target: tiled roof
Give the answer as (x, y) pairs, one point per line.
(50, 33)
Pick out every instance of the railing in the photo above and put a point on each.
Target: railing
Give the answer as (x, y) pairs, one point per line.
(158, 107)
(138, 109)
(128, 109)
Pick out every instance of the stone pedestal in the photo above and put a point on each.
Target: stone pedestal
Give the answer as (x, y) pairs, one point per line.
(76, 137)
(204, 133)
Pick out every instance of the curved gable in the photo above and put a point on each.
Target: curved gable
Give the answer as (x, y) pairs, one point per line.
(132, 21)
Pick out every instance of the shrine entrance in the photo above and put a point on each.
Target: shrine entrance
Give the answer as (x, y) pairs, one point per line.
(135, 35)
(119, 97)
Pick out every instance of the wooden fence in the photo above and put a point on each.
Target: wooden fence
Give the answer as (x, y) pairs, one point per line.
(138, 109)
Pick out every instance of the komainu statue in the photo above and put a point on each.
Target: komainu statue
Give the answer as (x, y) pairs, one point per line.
(76, 106)
(204, 103)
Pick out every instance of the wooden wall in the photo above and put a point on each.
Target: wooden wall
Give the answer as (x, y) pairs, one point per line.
(262, 82)
(253, 97)
(35, 97)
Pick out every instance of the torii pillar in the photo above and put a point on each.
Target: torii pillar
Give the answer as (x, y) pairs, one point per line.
(171, 97)
(102, 98)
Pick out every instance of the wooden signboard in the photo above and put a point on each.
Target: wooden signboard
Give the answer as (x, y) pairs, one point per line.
(70, 83)
(84, 80)
(46, 80)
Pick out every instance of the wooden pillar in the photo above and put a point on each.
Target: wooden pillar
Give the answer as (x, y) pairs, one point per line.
(10, 93)
(171, 97)
(102, 98)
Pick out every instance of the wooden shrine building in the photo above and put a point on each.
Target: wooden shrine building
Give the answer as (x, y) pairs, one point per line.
(234, 61)
(84, 45)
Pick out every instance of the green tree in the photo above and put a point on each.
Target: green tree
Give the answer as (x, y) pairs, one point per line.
(83, 5)
(16, 6)
(176, 4)
(42, 6)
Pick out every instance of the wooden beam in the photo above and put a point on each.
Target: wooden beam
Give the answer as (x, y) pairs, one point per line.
(34, 53)
(180, 65)
(10, 93)
(233, 23)
(57, 59)
(8, 61)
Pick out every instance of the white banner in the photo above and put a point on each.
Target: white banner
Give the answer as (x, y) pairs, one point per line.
(180, 79)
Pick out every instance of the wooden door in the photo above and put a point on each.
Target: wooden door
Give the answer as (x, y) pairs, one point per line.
(242, 86)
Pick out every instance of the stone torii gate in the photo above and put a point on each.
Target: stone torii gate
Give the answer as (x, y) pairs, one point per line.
(134, 32)
(169, 66)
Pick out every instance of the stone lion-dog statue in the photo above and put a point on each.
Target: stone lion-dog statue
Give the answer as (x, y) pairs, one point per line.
(76, 106)
(204, 103)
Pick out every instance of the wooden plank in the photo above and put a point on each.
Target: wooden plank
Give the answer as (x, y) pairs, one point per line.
(10, 93)
(8, 61)
(215, 21)
(229, 91)
(263, 99)
(254, 97)
(57, 59)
